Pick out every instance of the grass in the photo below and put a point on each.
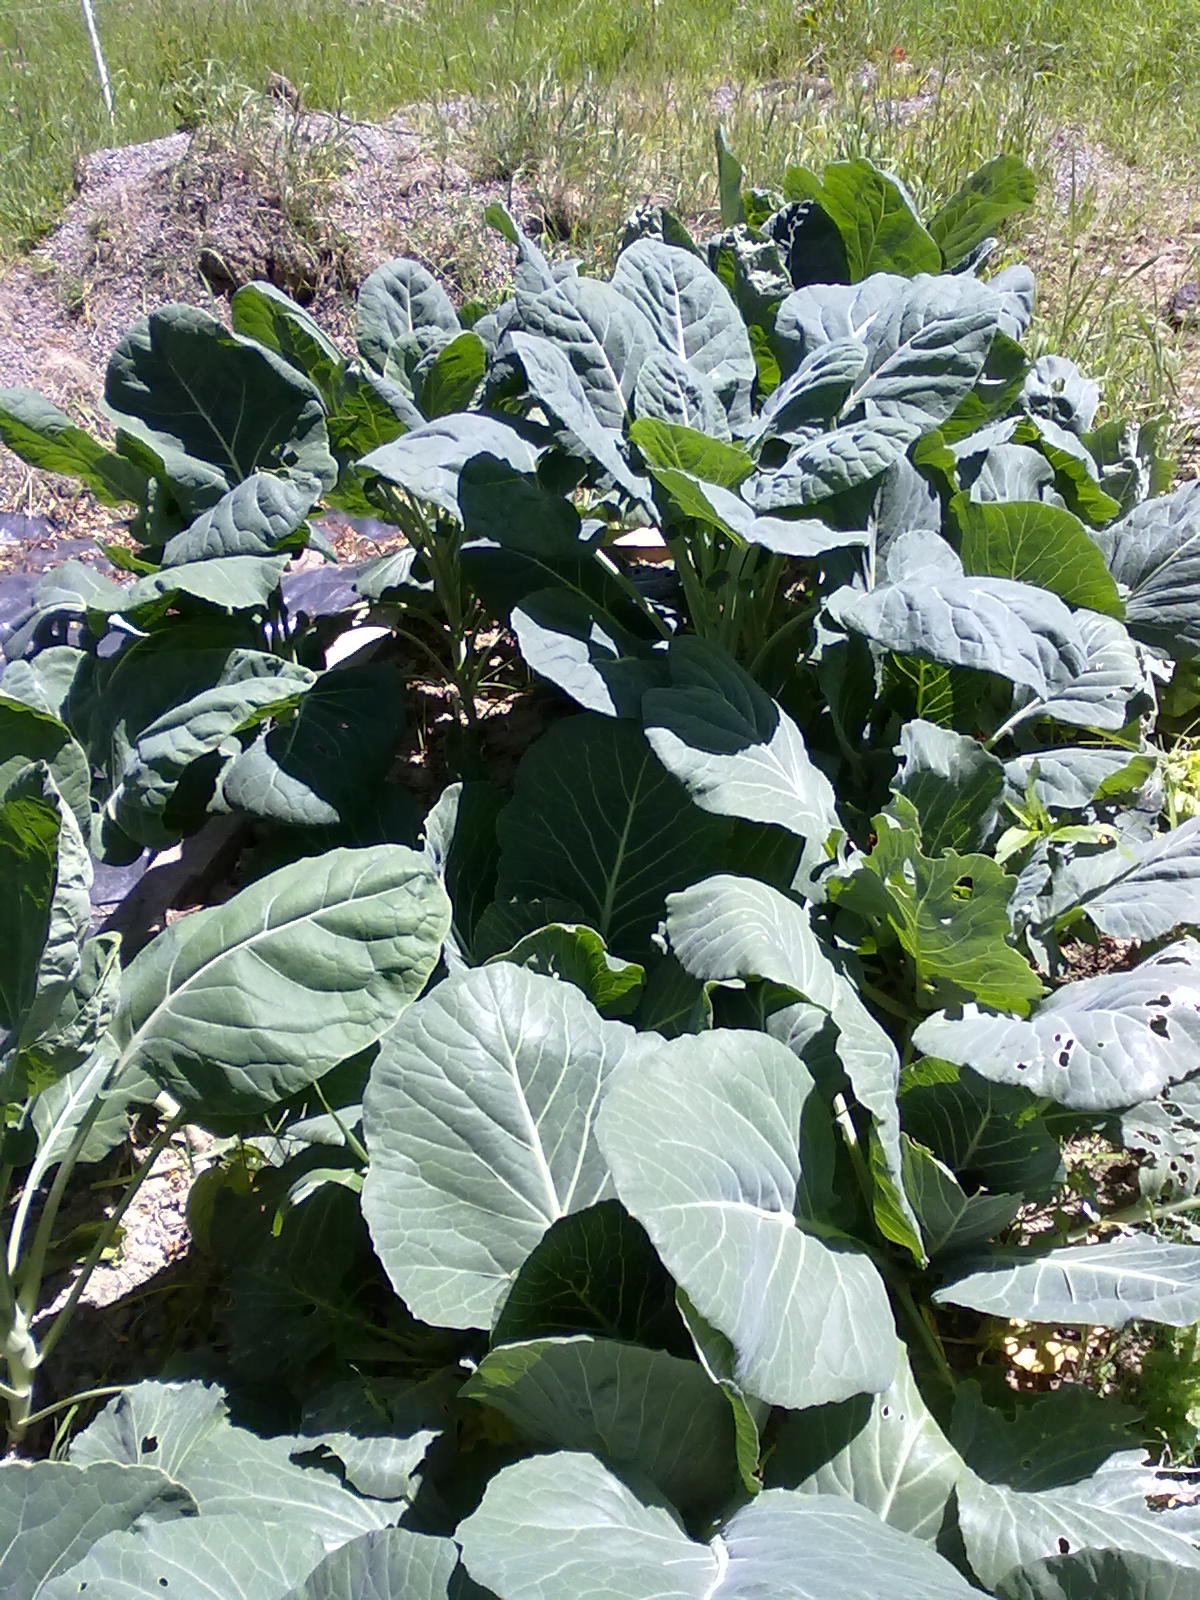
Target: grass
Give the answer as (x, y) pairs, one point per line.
(603, 104)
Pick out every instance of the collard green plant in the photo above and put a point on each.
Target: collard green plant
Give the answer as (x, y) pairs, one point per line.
(712, 1093)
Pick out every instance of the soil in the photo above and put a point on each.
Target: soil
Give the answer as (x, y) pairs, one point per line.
(306, 201)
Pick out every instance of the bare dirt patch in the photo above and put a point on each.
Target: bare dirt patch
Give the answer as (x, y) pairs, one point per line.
(307, 201)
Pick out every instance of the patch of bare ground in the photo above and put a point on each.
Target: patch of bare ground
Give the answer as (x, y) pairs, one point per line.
(304, 200)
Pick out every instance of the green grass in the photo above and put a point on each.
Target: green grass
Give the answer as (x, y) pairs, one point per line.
(600, 104)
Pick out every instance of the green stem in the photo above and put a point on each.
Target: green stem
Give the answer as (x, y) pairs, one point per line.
(925, 1334)
(1143, 1211)
(27, 1276)
(353, 1143)
(107, 1234)
(74, 1400)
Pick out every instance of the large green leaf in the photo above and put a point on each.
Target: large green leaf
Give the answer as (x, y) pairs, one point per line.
(1039, 544)
(593, 1271)
(460, 843)
(925, 353)
(45, 875)
(721, 1150)
(976, 209)
(45, 437)
(1143, 889)
(576, 954)
(734, 748)
(392, 1564)
(52, 1512)
(316, 768)
(874, 215)
(454, 375)
(1097, 1044)
(561, 1527)
(27, 734)
(479, 1119)
(185, 383)
(1096, 694)
(600, 334)
(640, 1410)
(238, 1006)
(832, 463)
(986, 1133)
(557, 385)
(263, 312)
(596, 821)
(952, 1220)
(884, 1451)
(234, 1556)
(1129, 1278)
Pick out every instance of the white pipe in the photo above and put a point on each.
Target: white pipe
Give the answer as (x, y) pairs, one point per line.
(89, 16)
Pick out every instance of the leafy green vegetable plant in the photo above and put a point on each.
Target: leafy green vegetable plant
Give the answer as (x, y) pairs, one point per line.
(708, 1098)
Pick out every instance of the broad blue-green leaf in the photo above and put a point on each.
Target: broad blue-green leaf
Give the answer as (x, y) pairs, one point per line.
(400, 298)
(951, 1220)
(561, 1527)
(52, 1512)
(599, 334)
(479, 1118)
(238, 1006)
(1119, 1281)
(37, 431)
(596, 821)
(426, 462)
(833, 463)
(392, 1564)
(992, 624)
(575, 643)
(708, 1142)
(639, 1410)
(184, 1430)
(185, 383)
(454, 376)
(1038, 544)
(670, 391)
(1143, 889)
(726, 928)
(884, 1451)
(953, 783)
(976, 209)
(1096, 1044)
(460, 845)
(735, 749)
(1099, 692)
(555, 383)
(1005, 1529)
(691, 312)
(816, 391)
(1115, 1574)
(234, 583)
(45, 875)
(925, 352)
(1069, 779)
(233, 1555)
(253, 519)
(1154, 554)
(1056, 390)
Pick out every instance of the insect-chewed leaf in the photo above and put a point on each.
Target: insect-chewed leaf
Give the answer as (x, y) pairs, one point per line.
(1097, 1044)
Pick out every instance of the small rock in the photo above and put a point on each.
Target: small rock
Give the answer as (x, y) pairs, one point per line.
(1184, 303)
